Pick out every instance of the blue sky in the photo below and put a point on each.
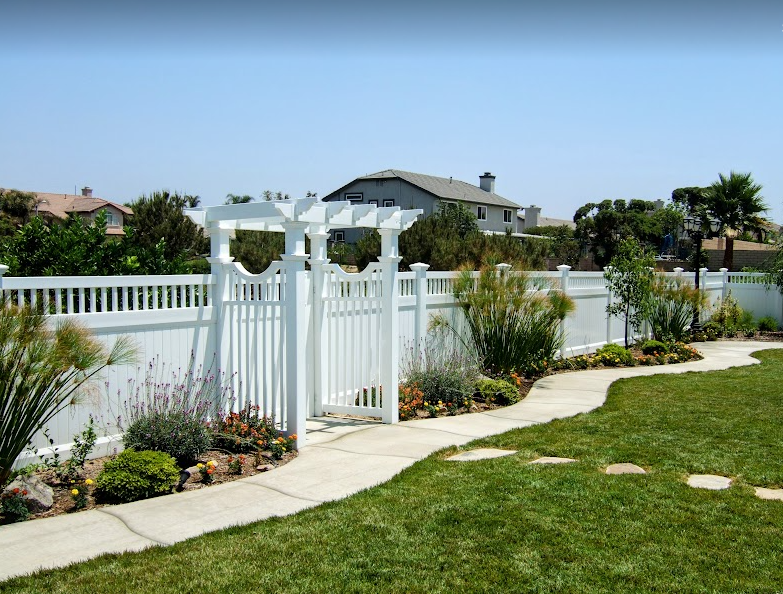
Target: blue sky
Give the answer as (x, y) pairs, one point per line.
(567, 103)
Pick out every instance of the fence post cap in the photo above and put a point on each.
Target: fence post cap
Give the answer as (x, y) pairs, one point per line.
(564, 267)
(3, 269)
(503, 267)
(703, 269)
(724, 270)
(419, 266)
(678, 269)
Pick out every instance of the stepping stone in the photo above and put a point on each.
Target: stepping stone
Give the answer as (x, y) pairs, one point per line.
(709, 481)
(764, 493)
(625, 468)
(552, 460)
(480, 454)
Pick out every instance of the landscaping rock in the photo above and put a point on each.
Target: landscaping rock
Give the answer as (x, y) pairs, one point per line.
(480, 454)
(774, 494)
(625, 468)
(709, 481)
(265, 467)
(552, 460)
(40, 496)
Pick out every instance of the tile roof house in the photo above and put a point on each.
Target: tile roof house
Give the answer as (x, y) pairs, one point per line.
(393, 187)
(59, 206)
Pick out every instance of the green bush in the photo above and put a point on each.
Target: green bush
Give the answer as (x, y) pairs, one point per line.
(671, 306)
(136, 475)
(514, 323)
(768, 324)
(446, 373)
(654, 347)
(711, 331)
(175, 433)
(497, 391)
(613, 355)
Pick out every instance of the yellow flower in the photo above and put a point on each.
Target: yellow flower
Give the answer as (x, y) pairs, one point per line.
(74, 491)
(199, 465)
(88, 482)
(212, 463)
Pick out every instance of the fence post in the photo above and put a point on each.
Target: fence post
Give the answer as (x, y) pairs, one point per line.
(220, 260)
(420, 326)
(563, 268)
(702, 287)
(318, 259)
(502, 268)
(295, 329)
(390, 325)
(3, 270)
(724, 290)
(678, 271)
(608, 304)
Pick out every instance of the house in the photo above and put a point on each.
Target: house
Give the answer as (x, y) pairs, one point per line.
(531, 217)
(393, 187)
(59, 206)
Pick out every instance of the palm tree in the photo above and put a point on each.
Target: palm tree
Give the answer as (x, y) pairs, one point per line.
(737, 203)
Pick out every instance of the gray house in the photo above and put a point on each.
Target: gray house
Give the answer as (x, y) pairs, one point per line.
(393, 187)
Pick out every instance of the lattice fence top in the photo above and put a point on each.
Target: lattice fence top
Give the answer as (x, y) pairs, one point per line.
(319, 216)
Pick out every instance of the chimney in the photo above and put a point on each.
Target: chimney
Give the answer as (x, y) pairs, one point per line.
(87, 192)
(487, 182)
(658, 204)
(532, 213)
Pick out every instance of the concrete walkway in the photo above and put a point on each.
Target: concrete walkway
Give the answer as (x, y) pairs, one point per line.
(342, 457)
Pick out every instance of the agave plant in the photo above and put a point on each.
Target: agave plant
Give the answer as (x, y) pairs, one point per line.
(513, 319)
(43, 370)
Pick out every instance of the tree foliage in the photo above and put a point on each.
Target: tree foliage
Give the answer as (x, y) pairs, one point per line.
(629, 278)
(561, 243)
(76, 247)
(15, 207)
(159, 216)
(597, 225)
(449, 239)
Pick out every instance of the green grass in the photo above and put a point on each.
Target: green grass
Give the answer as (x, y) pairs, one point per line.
(504, 526)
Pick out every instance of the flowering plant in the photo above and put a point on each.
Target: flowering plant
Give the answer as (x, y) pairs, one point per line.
(235, 465)
(13, 505)
(244, 431)
(79, 493)
(281, 445)
(207, 470)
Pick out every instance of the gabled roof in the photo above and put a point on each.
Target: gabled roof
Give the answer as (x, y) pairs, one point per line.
(444, 188)
(550, 222)
(61, 205)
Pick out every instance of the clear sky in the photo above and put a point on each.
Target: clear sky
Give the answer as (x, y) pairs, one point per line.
(566, 103)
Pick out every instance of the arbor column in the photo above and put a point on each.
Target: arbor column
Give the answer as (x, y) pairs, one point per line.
(318, 259)
(220, 261)
(296, 322)
(390, 325)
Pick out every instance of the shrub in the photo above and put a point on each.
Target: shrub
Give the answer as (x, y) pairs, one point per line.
(613, 355)
(513, 320)
(711, 331)
(497, 391)
(176, 433)
(41, 372)
(136, 475)
(445, 374)
(768, 324)
(671, 306)
(654, 347)
(169, 413)
(728, 315)
(13, 506)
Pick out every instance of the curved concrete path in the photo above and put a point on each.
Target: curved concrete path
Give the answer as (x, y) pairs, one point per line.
(342, 457)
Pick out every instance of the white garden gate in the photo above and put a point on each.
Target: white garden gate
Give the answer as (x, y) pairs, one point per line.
(269, 324)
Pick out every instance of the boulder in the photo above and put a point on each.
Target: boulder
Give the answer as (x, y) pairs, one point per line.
(40, 496)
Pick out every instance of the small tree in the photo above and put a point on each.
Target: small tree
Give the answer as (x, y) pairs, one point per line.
(629, 277)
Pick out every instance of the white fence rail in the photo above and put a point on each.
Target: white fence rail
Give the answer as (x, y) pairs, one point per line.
(239, 325)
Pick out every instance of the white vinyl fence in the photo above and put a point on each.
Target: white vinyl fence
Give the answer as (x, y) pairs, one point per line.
(348, 334)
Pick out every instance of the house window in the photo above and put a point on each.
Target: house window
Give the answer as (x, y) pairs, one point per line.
(375, 202)
(354, 197)
(339, 236)
(481, 213)
(112, 220)
(388, 203)
(379, 183)
(507, 215)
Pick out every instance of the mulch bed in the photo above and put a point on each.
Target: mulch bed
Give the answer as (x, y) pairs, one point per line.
(63, 502)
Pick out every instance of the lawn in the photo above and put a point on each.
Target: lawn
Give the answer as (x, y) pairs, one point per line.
(504, 526)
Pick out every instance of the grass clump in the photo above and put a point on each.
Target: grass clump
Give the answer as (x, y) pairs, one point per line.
(136, 475)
